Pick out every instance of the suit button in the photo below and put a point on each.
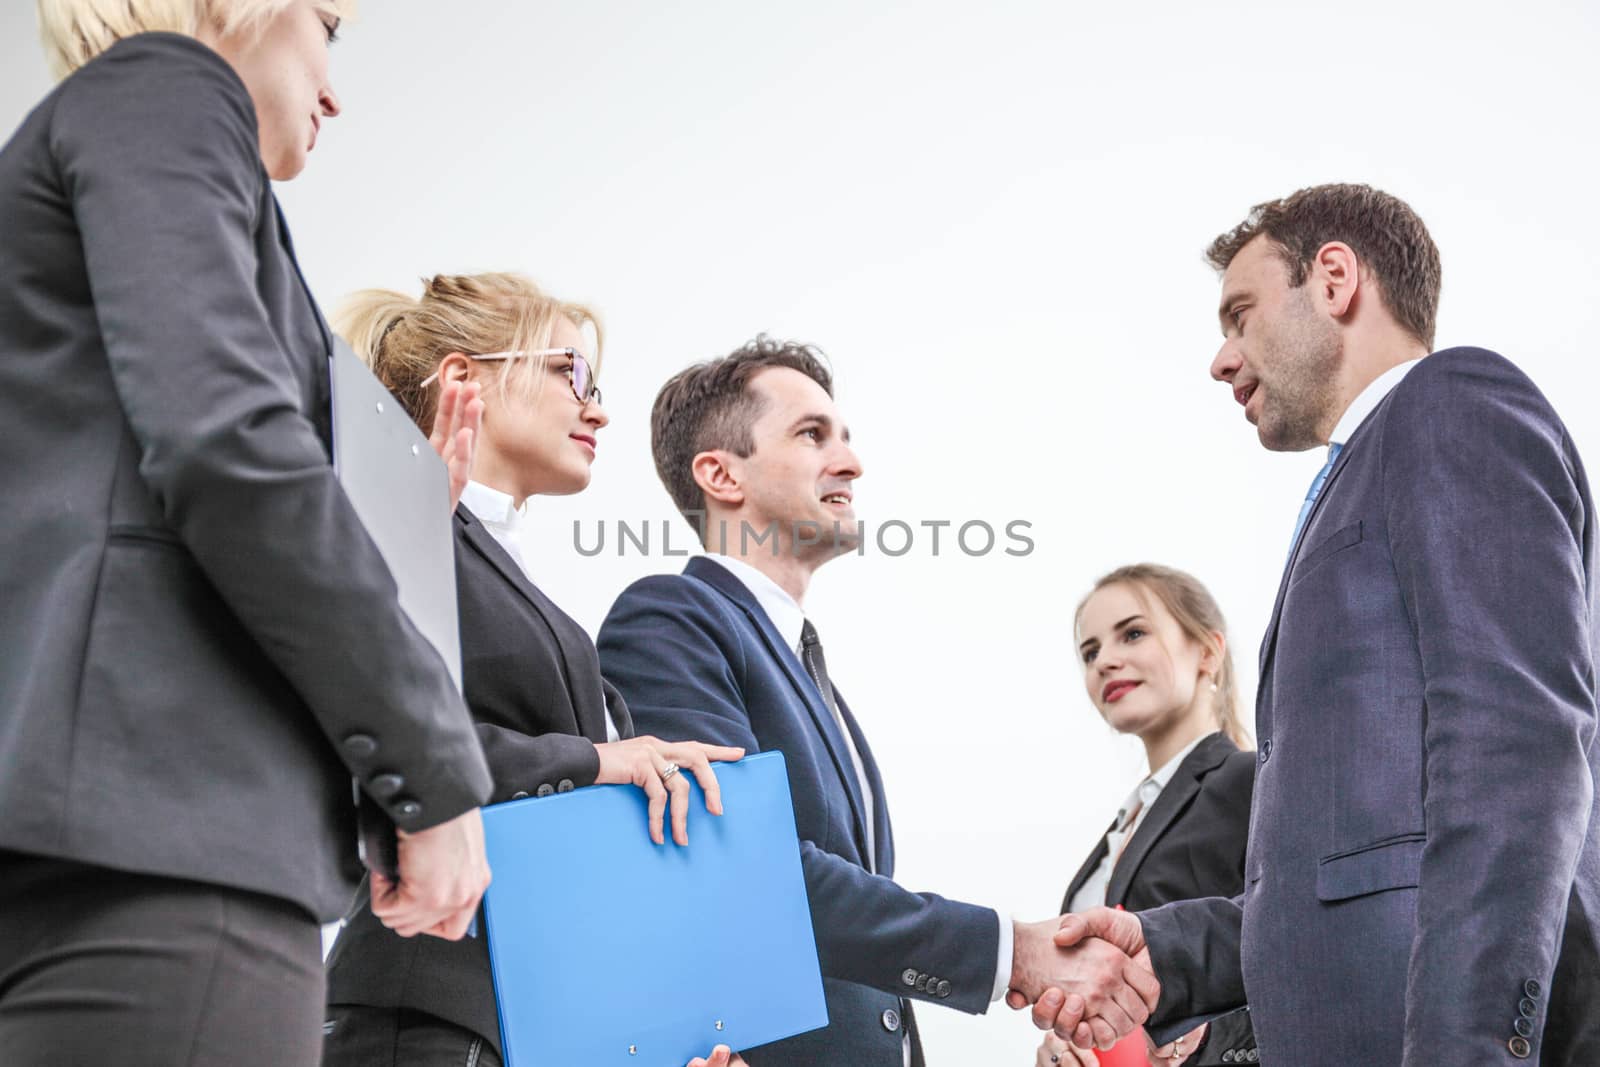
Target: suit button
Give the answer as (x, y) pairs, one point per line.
(1532, 988)
(909, 976)
(891, 1020)
(385, 786)
(1523, 1027)
(1227, 1057)
(1266, 750)
(1526, 1008)
(944, 988)
(360, 746)
(564, 786)
(1253, 1055)
(545, 789)
(407, 809)
(519, 794)
(922, 983)
(1519, 1047)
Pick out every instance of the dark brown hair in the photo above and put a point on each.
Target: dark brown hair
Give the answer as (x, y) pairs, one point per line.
(1386, 234)
(710, 406)
(1194, 608)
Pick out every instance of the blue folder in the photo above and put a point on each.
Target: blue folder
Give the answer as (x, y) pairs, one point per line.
(610, 949)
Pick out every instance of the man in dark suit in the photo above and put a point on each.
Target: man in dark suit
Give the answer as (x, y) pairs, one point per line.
(753, 450)
(1423, 872)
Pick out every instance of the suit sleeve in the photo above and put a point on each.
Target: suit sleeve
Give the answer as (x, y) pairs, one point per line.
(1486, 518)
(521, 763)
(158, 155)
(1194, 949)
(1216, 829)
(674, 657)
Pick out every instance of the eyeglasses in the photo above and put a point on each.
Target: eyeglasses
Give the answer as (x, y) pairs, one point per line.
(582, 375)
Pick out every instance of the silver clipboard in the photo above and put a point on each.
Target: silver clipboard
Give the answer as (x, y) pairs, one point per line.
(401, 491)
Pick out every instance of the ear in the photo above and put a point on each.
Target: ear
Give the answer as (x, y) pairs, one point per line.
(1336, 277)
(1215, 653)
(456, 367)
(716, 478)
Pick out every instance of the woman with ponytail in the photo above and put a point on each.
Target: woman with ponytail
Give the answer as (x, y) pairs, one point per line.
(547, 720)
(1156, 664)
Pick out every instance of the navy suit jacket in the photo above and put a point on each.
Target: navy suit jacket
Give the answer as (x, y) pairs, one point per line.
(1422, 881)
(696, 658)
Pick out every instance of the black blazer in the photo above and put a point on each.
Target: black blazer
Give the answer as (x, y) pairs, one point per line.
(1190, 844)
(199, 642)
(533, 682)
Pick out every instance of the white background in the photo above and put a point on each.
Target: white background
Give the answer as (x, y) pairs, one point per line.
(992, 219)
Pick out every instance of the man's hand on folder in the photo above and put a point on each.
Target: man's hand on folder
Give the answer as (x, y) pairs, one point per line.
(1089, 980)
(443, 873)
(658, 767)
(721, 1056)
(455, 432)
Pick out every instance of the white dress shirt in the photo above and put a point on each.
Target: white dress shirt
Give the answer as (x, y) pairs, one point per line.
(499, 514)
(1370, 398)
(1092, 893)
(788, 618)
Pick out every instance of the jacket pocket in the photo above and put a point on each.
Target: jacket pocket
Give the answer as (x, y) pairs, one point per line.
(1395, 863)
(1341, 539)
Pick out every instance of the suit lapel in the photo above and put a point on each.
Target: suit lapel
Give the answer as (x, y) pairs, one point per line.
(582, 688)
(1086, 870)
(1168, 806)
(720, 579)
(1269, 640)
(883, 833)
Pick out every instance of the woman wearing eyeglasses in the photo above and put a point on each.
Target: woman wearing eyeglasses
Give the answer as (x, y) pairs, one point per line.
(548, 721)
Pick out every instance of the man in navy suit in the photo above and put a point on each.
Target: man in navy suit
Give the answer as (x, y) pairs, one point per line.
(1422, 880)
(753, 451)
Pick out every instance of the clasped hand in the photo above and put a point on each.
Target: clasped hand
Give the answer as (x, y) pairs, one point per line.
(1087, 976)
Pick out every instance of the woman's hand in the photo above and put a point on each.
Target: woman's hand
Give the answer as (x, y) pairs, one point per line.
(455, 433)
(721, 1056)
(645, 762)
(1180, 1050)
(1054, 1052)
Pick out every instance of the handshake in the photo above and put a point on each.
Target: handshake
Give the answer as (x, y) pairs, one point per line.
(1088, 977)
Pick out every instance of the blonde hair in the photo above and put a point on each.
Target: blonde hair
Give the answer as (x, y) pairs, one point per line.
(75, 31)
(1198, 616)
(404, 339)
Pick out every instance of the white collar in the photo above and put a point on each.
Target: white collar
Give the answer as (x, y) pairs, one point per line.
(492, 507)
(786, 616)
(1369, 399)
(1146, 792)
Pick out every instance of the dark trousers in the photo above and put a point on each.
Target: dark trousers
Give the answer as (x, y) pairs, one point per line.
(358, 1036)
(102, 966)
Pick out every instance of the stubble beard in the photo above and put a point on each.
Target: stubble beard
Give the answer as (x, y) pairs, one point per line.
(1302, 388)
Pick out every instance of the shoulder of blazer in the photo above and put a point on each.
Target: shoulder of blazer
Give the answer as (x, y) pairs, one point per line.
(1231, 780)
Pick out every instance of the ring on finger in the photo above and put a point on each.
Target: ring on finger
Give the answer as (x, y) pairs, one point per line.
(668, 771)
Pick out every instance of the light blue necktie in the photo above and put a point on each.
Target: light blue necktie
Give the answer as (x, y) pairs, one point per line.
(1311, 497)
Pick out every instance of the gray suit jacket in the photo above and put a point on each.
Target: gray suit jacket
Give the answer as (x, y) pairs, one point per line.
(1422, 882)
(199, 643)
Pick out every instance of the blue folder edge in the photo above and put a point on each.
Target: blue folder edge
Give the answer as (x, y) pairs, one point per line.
(609, 949)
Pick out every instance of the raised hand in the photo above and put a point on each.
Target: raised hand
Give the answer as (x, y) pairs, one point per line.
(643, 761)
(1086, 981)
(443, 873)
(455, 432)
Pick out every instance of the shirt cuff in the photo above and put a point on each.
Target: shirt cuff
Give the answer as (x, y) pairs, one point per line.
(1002, 969)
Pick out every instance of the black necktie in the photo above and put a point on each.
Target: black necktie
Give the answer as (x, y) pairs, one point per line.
(817, 667)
